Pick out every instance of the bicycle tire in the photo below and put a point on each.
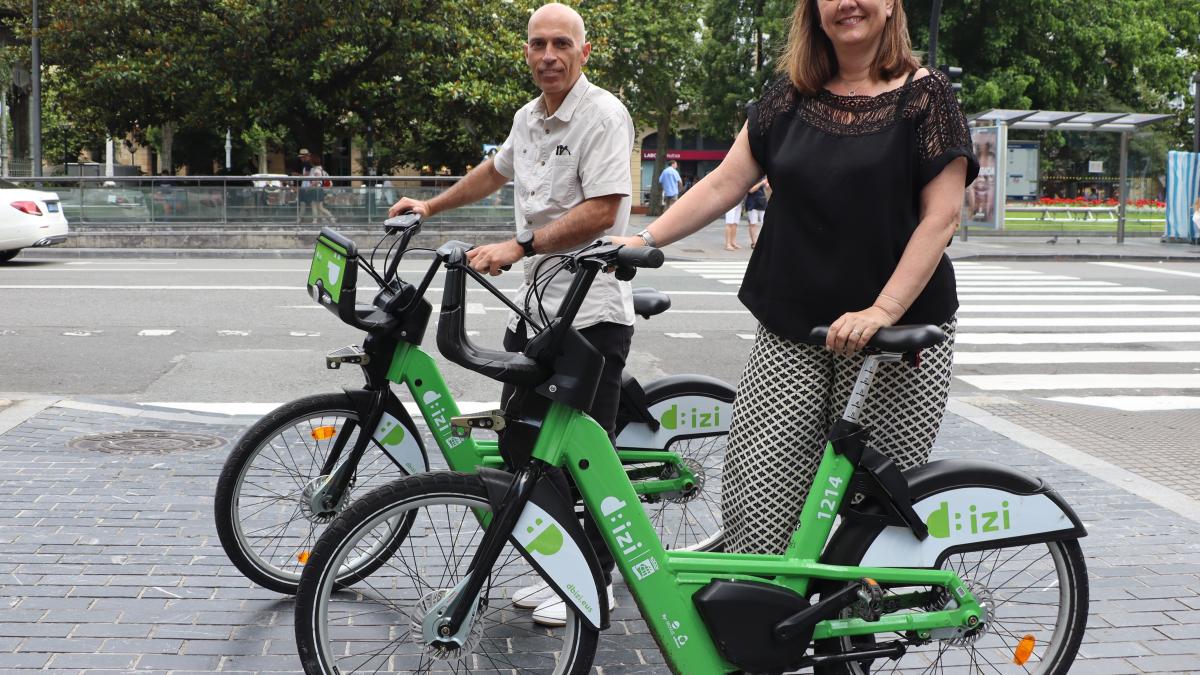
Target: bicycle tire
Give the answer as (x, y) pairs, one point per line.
(692, 522)
(993, 650)
(266, 560)
(367, 622)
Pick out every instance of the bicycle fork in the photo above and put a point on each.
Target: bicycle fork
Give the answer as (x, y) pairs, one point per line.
(449, 621)
(327, 497)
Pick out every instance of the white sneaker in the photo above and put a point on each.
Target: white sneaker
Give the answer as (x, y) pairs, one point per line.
(532, 596)
(553, 612)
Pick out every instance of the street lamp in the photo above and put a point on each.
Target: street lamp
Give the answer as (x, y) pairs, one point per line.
(35, 107)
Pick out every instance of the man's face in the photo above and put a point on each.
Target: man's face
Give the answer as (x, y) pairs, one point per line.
(556, 51)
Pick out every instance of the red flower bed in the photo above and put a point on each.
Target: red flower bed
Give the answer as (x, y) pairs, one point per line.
(1080, 201)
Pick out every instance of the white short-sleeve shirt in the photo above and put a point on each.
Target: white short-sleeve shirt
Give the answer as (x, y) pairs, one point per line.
(580, 152)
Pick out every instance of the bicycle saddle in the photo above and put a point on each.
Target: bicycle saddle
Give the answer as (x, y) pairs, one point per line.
(648, 302)
(893, 339)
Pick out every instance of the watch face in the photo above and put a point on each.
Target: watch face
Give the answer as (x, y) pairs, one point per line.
(525, 239)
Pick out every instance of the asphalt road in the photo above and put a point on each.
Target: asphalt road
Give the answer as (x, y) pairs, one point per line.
(244, 331)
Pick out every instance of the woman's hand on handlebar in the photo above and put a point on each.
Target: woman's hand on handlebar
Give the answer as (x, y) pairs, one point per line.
(408, 204)
(631, 242)
(495, 258)
(853, 330)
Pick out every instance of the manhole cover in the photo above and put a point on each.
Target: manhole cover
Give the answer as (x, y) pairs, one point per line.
(146, 442)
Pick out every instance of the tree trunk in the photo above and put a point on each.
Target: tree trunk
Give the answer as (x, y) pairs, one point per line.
(262, 158)
(165, 163)
(660, 161)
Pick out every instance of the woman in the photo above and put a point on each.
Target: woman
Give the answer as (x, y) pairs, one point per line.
(868, 155)
(756, 207)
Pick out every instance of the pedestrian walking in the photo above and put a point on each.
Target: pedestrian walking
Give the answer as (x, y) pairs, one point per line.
(732, 217)
(567, 155)
(869, 155)
(670, 181)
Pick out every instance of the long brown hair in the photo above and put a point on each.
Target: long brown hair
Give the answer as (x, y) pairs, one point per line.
(809, 60)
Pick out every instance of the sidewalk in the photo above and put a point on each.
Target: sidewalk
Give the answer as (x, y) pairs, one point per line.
(110, 560)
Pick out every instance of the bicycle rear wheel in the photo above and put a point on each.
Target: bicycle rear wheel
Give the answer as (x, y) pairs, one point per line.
(264, 520)
(694, 412)
(1036, 596)
(375, 626)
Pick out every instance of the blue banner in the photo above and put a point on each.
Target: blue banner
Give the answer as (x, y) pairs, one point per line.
(1183, 193)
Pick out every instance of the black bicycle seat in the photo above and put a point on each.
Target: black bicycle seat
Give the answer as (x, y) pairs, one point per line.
(648, 302)
(893, 339)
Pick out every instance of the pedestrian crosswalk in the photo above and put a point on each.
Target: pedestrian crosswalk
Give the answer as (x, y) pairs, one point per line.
(1063, 338)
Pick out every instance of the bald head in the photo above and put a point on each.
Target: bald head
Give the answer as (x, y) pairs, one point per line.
(556, 14)
(556, 51)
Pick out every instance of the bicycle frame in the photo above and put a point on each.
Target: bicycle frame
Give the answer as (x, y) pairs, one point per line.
(662, 582)
(417, 370)
(411, 366)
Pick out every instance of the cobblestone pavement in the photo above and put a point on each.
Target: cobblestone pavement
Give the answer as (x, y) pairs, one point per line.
(109, 561)
(1160, 446)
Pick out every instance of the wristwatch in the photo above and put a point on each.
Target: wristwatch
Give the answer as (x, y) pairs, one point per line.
(648, 238)
(525, 239)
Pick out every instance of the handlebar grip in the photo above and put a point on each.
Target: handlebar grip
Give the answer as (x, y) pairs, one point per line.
(401, 222)
(641, 256)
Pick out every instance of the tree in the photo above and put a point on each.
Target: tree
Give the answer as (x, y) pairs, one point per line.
(648, 55)
(742, 39)
(1066, 55)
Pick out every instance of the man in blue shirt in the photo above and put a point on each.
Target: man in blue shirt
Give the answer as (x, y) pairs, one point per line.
(669, 180)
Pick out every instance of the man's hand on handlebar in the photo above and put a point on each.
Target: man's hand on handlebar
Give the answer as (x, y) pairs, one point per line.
(494, 258)
(408, 204)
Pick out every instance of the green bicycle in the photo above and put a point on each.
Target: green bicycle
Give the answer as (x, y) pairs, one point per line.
(296, 468)
(955, 564)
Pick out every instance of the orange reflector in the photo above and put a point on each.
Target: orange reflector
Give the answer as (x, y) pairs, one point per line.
(302, 556)
(323, 433)
(1024, 650)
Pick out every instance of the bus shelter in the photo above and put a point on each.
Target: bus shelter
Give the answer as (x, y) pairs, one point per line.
(1111, 122)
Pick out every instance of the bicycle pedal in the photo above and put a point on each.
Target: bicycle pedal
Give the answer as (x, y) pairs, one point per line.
(492, 420)
(352, 354)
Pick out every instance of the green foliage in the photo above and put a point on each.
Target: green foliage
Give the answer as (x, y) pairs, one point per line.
(740, 43)
(1135, 55)
(431, 81)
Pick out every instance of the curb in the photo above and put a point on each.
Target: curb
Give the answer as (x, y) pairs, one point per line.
(21, 410)
(1082, 257)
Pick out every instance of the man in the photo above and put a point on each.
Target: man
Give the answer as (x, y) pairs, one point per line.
(568, 157)
(669, 180)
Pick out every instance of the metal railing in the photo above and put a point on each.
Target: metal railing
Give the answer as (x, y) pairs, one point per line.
(254, 200)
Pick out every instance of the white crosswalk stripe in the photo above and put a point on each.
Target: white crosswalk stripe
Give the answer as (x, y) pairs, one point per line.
(1063, 338)
(1009, 329)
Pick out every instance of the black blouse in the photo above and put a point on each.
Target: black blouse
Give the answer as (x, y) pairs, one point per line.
(847, 174)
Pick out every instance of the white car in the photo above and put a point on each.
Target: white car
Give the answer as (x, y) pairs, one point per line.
(28, 218)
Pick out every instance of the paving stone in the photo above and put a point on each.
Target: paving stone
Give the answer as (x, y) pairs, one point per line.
(108, 557)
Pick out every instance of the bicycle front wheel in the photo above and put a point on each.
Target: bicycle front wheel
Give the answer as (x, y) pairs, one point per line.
(264, 517)
(376, 625)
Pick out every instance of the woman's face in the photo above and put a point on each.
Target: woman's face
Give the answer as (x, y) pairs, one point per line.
(850, 23)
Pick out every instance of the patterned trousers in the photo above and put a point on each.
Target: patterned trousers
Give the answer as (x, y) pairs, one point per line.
(789, 396)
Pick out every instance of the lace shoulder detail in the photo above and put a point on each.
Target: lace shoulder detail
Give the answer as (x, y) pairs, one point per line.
(779, 97)
(940, 123)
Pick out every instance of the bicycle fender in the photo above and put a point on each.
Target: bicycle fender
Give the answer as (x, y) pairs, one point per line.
(397, 433)
(687, 406)
(549, 536)
(967, 505)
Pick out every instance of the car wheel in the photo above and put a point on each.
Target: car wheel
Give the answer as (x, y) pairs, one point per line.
(5, 256)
